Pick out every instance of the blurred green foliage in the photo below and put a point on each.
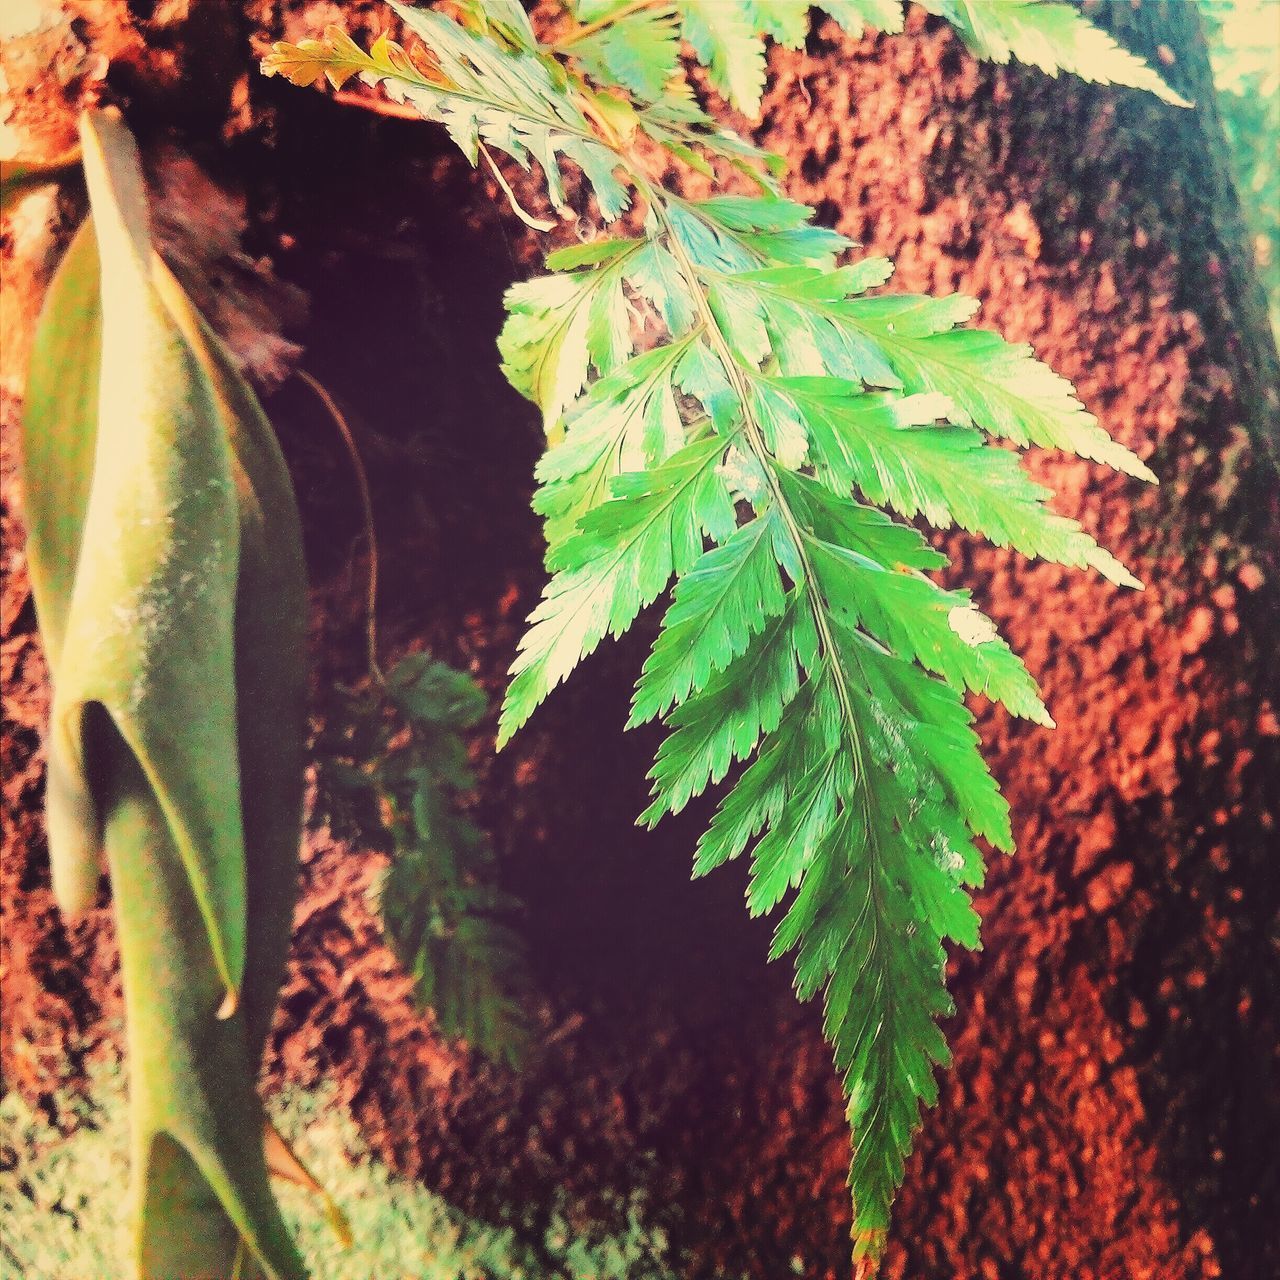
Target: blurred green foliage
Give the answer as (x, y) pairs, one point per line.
(1244, 46)
(60, 1203)
(392, 766)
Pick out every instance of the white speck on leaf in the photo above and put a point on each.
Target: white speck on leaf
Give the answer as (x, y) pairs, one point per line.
(972, 627)
(742, 475)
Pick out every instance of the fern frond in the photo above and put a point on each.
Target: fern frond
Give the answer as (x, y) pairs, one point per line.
(891, 449)
(639, 51)
(786, 23)
(800, 623)
(509, 100)
(865, 583)
(444, 915)
(719, 605)
(817, 323)
(677, 123)
(723, 394)
(855, 15)
(998, 385)
(560, 327)
(506, 20)
(724, 723)
(627, 421)
(639, 48)
(726, 41)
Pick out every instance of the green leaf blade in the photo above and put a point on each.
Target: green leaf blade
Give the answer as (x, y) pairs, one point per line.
(1054, 37)
(892, 450)
(723, 38)
(853, 15)
(621, 559)
(998, 385)
(640, 52)
(724, 722)
(724, 600)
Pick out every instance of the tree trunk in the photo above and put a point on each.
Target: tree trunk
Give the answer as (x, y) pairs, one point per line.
(1109, 1112)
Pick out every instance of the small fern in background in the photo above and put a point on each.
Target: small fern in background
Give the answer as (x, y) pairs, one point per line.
(392, 765)
(736, 413)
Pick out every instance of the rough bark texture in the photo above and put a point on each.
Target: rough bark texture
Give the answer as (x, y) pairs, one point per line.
(1112, 1108)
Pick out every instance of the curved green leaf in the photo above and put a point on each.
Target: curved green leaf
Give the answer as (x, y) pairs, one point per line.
(167, 572)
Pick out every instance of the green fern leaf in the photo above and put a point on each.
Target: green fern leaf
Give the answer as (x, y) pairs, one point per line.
(561, 326)
(620, 560)
(909, 707)
(1053, 37)
(795, 644)
(732, 234)
(726, 43)
(805, 312)
(886, 446)
(907, 611)
(854, 15)
(807, 734)
(998, 385)
(723, 722)
(627, 421)
(397, 780)
(797, 828)
(817, 324)
(725, 599)
(679, 124)
(511, 102)
(780, 20)
(640, 52)
(805, 645)
(504, 19)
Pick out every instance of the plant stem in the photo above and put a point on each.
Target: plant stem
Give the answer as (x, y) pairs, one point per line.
(379, 106)
(366, 509)
(756, 440)
(868, 1266)
(590, 28)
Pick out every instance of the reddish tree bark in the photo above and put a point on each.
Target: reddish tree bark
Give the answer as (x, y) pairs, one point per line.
(1109, 1113)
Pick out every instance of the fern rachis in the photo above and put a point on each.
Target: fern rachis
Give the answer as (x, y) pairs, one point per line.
(805, 644)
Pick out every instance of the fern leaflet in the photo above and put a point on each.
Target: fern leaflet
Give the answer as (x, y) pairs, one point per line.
(444, 916)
